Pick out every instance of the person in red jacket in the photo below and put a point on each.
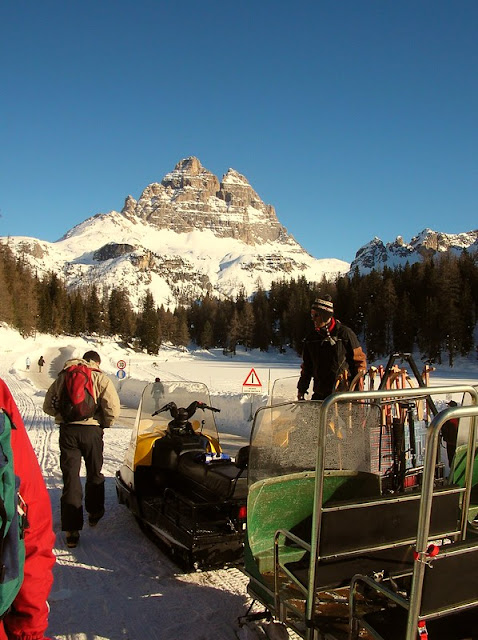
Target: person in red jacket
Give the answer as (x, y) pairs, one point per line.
(28, 616)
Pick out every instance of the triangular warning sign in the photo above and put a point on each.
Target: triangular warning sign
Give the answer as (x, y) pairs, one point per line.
(252, 380)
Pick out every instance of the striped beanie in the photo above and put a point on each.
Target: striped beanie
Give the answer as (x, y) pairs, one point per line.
(323, 305)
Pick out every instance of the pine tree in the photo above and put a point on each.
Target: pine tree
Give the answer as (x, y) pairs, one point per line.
(404, 325)
(148, 325)
(246, 323)
(430, 330)
(298, 312)
(168, 325)
(77, 314)
(181, 336)
(232, 337)
(375, 311)
(6, 308)
(94, 311)
(449, 300)
(121, 319)
(262, 337)
(53, 305)
(206, 339)
(390, 305)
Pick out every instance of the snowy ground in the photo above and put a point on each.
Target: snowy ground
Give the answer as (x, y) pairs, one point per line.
(117, 585)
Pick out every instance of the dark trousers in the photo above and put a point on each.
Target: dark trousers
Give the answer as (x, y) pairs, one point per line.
(450, 450)
(79, 441)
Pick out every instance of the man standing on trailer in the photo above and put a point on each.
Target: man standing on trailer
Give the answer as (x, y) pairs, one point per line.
(331, 355)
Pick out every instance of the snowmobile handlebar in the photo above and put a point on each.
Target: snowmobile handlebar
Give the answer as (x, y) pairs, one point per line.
(187, 412)
(202, 405)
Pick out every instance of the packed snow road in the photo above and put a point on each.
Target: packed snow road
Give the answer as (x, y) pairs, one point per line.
(117, 584)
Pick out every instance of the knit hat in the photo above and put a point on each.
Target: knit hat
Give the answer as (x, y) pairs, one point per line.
(323, 305)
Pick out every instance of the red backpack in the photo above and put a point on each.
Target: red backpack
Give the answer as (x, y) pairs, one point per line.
(77, 399)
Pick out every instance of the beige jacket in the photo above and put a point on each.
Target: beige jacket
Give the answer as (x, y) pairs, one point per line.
(105, 394)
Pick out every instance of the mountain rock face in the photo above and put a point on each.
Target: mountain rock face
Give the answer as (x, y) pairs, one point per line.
(377, 255)
(191, 234)
(191, 197)
(186, 236)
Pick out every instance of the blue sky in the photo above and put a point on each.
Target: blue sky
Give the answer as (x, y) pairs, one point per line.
(354, 119)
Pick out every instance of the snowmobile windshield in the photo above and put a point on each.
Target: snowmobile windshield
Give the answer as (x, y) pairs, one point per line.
(157, 395)
(284, 390)
(285, 439)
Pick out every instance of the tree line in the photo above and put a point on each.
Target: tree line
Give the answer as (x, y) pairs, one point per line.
(431, 306)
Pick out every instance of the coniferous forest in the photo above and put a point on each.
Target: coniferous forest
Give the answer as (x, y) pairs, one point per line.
(430, 306)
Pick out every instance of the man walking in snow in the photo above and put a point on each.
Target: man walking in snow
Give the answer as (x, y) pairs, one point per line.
(157, 391)
(331, 355)
(83, 439)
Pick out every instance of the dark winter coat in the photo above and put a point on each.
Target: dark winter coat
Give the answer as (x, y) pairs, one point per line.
(449, 434)
(330, 355)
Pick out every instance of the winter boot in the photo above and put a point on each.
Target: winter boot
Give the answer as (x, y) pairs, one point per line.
(72, 539)
(94, 518)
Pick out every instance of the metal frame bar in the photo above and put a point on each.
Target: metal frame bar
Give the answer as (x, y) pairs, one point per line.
(427, 482)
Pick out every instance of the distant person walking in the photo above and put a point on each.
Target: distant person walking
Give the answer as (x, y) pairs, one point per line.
(157, 391)
(41, 362)
(82, 439)
(28, 363)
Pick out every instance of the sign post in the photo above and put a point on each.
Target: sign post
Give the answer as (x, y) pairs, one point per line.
(251, 385)
(121, 373)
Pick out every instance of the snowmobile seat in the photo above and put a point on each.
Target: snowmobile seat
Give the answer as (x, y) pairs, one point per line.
(242, 457)
(222, 478)
(226, 480)
(385, 534)
(167, 451)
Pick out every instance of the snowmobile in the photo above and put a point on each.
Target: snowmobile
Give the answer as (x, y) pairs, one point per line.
(176, 480)
(354, 528)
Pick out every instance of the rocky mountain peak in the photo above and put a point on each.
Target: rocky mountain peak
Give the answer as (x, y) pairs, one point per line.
(190, 174)
(190, 197)
(234, 177)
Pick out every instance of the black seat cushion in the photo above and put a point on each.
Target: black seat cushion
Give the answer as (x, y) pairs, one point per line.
(221, 477)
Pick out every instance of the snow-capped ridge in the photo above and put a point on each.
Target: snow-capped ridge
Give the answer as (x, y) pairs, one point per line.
(191, 234)
(185, 236)
(234, 177)
(376, 255)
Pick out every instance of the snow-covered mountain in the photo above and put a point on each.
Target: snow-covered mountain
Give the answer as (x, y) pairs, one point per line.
(188, 235)
(191, 234)
(376, 254)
